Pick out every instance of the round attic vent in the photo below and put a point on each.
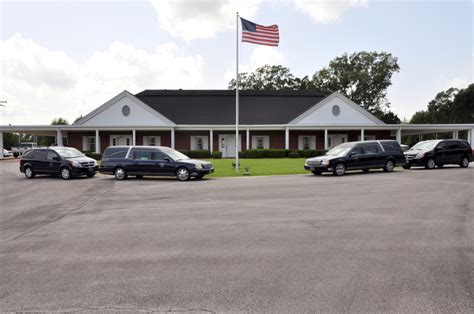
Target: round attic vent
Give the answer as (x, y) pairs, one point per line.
(125, 110)
(336, 110)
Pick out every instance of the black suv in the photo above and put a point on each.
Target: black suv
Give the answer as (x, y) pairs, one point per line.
(439, 153)
(64, 161)
(140, 161)
(364, 155)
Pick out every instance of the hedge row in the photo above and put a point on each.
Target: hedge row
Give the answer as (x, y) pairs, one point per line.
(280, 153)
(201, 154)
(251, 153)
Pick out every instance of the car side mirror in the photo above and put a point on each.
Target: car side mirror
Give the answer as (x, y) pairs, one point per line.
(352, 154)
(167, 159)
(56, 158)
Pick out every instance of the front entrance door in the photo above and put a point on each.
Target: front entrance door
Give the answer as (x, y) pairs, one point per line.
(227, 145)
(336, 139)
(120, 140)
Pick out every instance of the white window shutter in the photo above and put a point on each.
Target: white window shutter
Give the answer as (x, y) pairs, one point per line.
(193, 143)
(84, 143)
(205, 143)
(266, 142)
(158, 140)
(145, 140)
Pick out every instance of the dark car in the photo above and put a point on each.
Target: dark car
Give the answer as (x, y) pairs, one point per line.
(438, 153)
(139, 161)
(364, 155)
(67, 162)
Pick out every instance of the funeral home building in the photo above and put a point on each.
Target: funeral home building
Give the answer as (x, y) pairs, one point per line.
(205, 120)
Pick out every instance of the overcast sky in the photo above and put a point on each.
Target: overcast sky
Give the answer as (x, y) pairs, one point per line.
(64, 59)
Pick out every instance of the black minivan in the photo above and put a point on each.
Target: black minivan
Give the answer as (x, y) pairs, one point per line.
(438, 153)
(140, 161)
(363, 155)
(64, 161)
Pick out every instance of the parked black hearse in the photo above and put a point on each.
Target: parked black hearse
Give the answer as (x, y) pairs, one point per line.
(364, 155)
(139, 161)
(438, 153)
(64, 161)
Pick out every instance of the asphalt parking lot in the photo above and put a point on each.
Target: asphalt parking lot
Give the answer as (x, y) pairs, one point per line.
(401, 241)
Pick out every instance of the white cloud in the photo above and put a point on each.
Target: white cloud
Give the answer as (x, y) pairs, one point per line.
(261, 56)
(192, 19)
(41, 84)
(326, 11)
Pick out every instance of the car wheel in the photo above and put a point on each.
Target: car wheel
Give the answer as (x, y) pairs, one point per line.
(464, 162)
(339, 169)
(90, 175)
(316, 173)
(29, 174)
(406, 167)
(389, 165)
(65, 173)
(182, 174)
(199, 177)
(430, 164)
(120, 173)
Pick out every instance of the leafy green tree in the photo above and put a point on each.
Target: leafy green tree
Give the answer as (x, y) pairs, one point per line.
(59, 121)
(364, 77)
(267, 77)
(77, 119)
(449, 106)
(387, 116)
(463, 106)
(9, 140)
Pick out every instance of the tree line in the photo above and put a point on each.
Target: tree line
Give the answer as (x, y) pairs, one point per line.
(364, 77)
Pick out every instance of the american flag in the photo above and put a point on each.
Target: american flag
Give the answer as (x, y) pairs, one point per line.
(258, 34)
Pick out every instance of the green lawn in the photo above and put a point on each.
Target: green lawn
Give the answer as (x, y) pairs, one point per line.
(258, 167)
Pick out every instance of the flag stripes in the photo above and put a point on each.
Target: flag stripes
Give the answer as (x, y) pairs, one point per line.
(260, 35)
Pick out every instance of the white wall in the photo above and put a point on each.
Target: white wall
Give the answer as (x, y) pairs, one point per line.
(347, 115)
(140, 114)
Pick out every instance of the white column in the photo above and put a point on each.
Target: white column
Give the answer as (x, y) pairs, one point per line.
(455, 134)
(399, 136)
(97, 142)
(287, 138)
(362, 135)
(59, 137)
(325, 139)
(247, 142)
(471, 137)
(211, 140)
(1, 145)
(134, 137)
(172, 138)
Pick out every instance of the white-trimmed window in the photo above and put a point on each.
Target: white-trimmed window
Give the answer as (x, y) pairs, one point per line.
(88, 143)
(199, 143)
(260, 142)
(152, 140)
(367, 138)
(306, 142)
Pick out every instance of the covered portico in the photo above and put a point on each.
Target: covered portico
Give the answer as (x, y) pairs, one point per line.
(97, 138)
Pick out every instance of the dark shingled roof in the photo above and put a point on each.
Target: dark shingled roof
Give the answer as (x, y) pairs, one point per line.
(211, 107)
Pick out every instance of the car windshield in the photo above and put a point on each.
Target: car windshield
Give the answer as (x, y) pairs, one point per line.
(425, 145)
(340, 150)
(174, 154)
(68, 152)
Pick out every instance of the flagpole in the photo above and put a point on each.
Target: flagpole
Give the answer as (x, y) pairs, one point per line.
(237, 93)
